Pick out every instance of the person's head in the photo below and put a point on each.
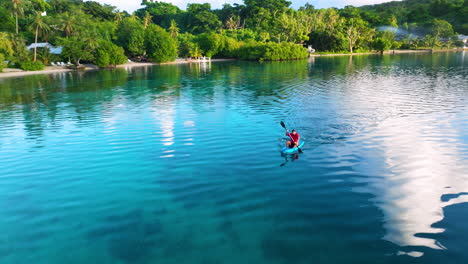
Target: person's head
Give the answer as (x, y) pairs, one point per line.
(293, 132)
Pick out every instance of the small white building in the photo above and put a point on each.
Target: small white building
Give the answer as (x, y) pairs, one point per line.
(53, 49)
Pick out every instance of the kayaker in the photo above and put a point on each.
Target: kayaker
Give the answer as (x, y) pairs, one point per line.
(294, 139)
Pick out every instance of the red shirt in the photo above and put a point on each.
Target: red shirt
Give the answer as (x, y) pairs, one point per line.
(295, 137)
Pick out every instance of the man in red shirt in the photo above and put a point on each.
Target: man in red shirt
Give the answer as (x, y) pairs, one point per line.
(295, 137)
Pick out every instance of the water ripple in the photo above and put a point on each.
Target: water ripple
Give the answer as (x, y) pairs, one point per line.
(177, 164)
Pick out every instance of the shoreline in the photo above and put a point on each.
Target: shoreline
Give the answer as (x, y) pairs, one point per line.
(390, 52)
(10, 72)
(176, 62)
(20, 73)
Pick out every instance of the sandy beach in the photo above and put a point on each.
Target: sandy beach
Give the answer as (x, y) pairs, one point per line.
(9, 72)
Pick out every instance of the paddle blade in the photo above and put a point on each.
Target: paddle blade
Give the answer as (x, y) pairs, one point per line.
(283, 125)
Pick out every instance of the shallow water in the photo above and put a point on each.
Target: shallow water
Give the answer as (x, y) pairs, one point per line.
(181, 163)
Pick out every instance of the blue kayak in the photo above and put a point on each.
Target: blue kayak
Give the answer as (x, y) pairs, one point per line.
(286, 150)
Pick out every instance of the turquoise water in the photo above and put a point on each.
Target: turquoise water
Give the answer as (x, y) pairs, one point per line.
(181, 163)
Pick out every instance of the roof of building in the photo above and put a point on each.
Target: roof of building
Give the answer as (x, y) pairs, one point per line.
(53, 49)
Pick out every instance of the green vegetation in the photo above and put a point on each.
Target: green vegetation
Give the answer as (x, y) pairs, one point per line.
(32, 65)
(385, 41)
(272, 51)
(256, 30)
(2, 63)
(130, 34)
(419, 16)
(108, 54)
(6, 49)
(77, 49)
(161, 47)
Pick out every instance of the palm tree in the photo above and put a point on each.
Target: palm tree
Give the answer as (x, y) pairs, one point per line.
(233, 22)
(195, 51)
(67, 23)
(17, 7)
(147, 20)
(39, 25)
(173, 29)
(118, 17)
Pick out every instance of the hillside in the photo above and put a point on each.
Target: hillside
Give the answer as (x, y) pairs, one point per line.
(422, 11)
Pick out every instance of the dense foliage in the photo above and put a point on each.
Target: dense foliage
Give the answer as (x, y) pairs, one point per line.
(130, 34)
(419, 15)
(272, 51)
(256, 30)
(32, 65)
(2, 63)
(160, 46)
(108, 54)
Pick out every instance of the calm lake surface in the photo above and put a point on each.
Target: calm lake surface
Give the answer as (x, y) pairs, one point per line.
(181, 163)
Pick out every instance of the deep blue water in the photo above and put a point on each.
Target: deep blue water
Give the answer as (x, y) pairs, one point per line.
(181, 163)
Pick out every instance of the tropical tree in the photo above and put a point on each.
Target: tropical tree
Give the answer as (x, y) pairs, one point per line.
(210, 43)
(38, 25)
(108, 54)
(173, 29)
(130, 35)
(430, 41)
(46, 56)
(357, 31)
(384, 41)
(195, 51)
(147, 19)
(293, 26)
(78, 49)
(40, 5)
(6, 45)
(185, 43)
(7, 20)
(97, 10)
(229, 47)
(201, 19)
(18, 7)
(262, 14)
(118, 17)
(159, 44)
(382, 44)
(162, 13)
(2, 63)
(442, 29)
(68, 23)
(328, 31)
(233, 22)
(6, 48)
(19, 47)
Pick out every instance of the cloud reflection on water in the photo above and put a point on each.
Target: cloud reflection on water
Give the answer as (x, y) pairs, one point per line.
(420, 153)
(421, 171)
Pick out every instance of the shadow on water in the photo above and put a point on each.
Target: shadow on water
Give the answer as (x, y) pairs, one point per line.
(289, 158)
(453, 237)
